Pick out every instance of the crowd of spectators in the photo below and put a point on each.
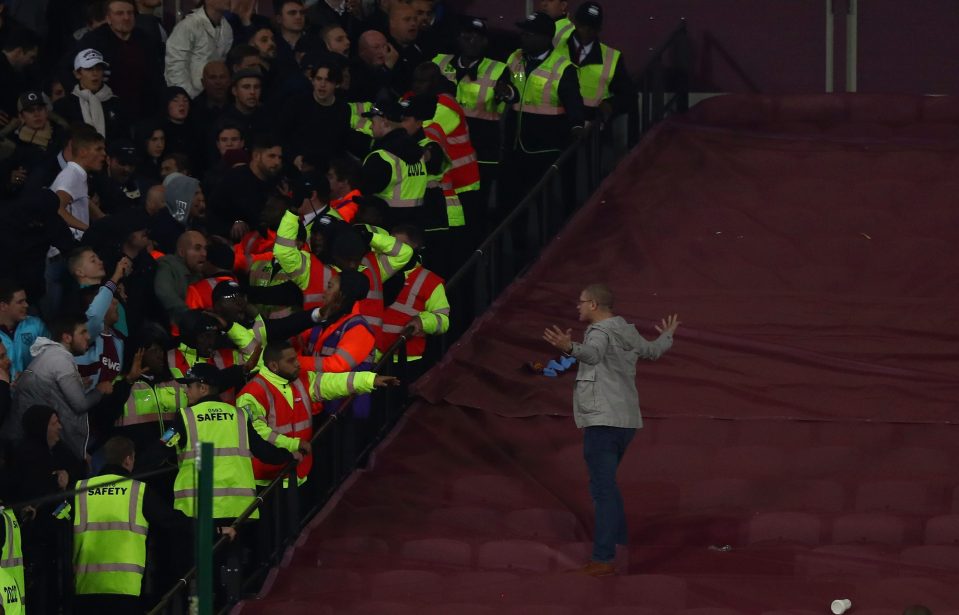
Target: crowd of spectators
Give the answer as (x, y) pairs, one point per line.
(145, 164)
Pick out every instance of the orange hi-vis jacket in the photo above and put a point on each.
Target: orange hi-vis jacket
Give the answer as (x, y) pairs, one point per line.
(419, 297)
(342, 346)
(252, 244)
(449, 128)
(346, 206)
(282, 418)
(199, 295)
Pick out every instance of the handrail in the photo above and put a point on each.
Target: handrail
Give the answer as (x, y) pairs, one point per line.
(583, 140)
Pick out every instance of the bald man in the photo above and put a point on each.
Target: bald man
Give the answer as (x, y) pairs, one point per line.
(207, 107)
(371, 73)
(175, 272)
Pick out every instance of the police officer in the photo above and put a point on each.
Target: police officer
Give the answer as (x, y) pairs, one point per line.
(111, 519)
(548, 104)
(603, 80)
(396, 170)
(482, 87)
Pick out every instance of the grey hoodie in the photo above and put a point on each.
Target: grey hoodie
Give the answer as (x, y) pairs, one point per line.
(606, 380)
(52, 380)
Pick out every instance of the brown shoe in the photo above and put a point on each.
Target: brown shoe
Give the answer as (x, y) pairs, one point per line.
(598, 569)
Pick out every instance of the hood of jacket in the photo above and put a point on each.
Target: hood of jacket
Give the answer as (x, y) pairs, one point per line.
(401, 144)
(621, 332)
(45, 344)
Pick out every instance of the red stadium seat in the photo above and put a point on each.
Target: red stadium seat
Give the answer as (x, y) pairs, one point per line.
(543, 524)
(795, 527)
(438, 551)
(942, 530)
(876, 528)
(515, 555)
(893, 496)
(654, 590)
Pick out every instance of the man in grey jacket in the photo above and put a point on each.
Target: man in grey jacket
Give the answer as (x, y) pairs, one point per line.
(52, 379)
(606, 406)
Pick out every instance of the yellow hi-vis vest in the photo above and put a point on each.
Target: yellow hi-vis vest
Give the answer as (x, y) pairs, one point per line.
(454, 207)
(357, 121)
(564, 28)
(594, 78)
(157, 403)
(234, 488)
(264, 273)
(478, 98)
(12, 557)
(10, 599)
(109, 536)
(408, 183)
(539, 90)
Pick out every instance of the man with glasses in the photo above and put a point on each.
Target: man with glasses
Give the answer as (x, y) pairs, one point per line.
(606, 407)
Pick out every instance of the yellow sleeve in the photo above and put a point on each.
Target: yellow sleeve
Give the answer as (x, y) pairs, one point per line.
(294, 262)
(246, 339)
(257, 415)
(391, 253)
(342, 384)
(436, 316)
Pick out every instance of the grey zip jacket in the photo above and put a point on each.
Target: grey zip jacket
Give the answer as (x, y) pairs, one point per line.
(52, 380)
(606, 381)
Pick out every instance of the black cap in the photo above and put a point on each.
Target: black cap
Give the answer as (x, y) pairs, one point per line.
(421, 107)
(475, 24)
(227, 289)
(389, 109)
(172, 91)
(205, 373)
(30, 99)
(247, 72)
(589, 14)
(130, 221)
(538, 23)
(123, 150)
(307, 184)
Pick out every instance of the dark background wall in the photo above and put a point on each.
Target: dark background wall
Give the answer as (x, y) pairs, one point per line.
(777, 46)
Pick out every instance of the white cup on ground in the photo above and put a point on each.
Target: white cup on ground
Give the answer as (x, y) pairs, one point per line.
(839, 607)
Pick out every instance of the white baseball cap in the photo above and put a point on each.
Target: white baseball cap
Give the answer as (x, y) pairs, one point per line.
(88, 58)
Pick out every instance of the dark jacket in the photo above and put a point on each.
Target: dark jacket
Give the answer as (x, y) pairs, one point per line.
(240, 196)
(303, 119)
(621, 87)
(135, 74)
(115, 120)
(36, 462)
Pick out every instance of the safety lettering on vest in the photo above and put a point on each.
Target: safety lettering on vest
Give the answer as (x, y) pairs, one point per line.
(11, 594)
(214, 416)
(107, 491)
(416, 170)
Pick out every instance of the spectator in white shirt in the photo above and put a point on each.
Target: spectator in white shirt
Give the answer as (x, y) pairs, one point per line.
(203, 36)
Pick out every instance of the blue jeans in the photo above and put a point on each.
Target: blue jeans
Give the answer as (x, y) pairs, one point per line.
(603, 449)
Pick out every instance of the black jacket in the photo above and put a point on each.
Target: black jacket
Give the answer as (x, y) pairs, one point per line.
(135, 74)
(115, 120)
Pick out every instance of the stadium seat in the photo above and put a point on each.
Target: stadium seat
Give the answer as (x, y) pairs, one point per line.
(721, 494)
(651, 590)
(811, 495)
(674, 460)
(709, 610)
(493, 490)
(542, 524)
(703, 432)
(942, 530)
(822, 461)
(876, 528)
(480, 586)
(383, 607)
(515, 555)
(893, 496)
(931, 560)
(438, 551)
(472, 519)
(419, 585)
(842, 561)
(794, 527)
